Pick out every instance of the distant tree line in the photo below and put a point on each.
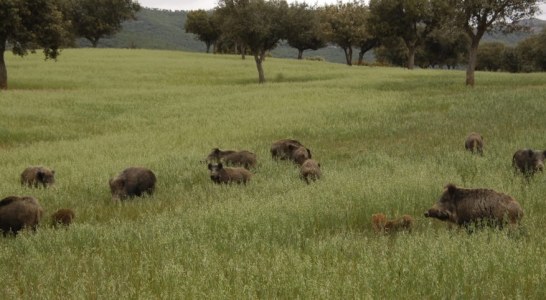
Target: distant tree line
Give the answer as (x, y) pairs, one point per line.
(528, 55)
(427, 33)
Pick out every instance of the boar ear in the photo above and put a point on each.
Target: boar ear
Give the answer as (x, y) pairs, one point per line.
(530, 152)
(319, 165)
(291, 147)
(451, 188)
(308, 152)
(53, 172)
(40, 175)
(220, 166)
(210, 166)
(216, 150)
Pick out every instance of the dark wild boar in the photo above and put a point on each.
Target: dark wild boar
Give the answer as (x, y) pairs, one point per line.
(474, 143)
(528, 161)
(63, 216)
(17, 213)
(242, 158)
(467, 206)
(310, 170)
(133, 181)
(35, 176)
(219, 174)
(282, 149)
(300, 155)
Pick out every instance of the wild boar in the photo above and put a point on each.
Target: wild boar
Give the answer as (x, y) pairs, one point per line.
(300, 155)
(474, 143)
(528, 161)
(35, 176)
(467, 206)
(310, 169)
(133, 181)
(381, 224)
(242, 158)
(219, 174)
(63, 216)
(17, 213)
(282, 149)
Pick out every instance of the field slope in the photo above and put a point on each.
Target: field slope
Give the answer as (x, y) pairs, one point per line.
(388, 141)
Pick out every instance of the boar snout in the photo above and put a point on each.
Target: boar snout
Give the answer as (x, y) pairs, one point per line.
(436, 213)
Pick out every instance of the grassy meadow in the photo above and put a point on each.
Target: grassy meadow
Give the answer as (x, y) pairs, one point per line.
(388, 140)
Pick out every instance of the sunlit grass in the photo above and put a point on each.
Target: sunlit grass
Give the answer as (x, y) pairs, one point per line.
(388, 140)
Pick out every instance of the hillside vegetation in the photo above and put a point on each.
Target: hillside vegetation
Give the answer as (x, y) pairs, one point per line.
(388, 140)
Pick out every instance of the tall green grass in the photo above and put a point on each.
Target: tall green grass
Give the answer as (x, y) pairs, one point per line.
(388, 141)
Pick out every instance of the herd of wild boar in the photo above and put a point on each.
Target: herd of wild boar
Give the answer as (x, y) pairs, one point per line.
(456, 205)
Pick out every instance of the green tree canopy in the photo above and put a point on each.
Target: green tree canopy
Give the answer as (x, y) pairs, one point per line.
(392, 51)
(27, 25)
(490, 56)
(94, 19)
(444, 47)
(532, 52)
(204, 25)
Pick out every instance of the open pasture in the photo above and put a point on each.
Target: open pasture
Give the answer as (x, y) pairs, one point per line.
(388, 140)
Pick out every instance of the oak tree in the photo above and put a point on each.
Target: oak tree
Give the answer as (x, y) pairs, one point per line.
(305, 32)
(476, 17)
(257, 24)
(95, 19)
(401, 18)
(204, 25)
(366, 40)
(344, 25)
(26, 25)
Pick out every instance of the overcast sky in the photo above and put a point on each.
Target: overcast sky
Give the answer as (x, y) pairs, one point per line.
(208, 4)
(202, 4)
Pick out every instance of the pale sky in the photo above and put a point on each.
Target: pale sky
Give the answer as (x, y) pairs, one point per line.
(205, 4)
(209, 4)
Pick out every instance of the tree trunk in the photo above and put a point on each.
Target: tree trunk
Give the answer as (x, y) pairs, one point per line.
(360, 58)
(411, 57)
(348, 55)
(472, 60)
(208, 47)
(94, 41)
(258, 57)
(365, 47)
(243, 52)
(3, 69)
(300, 54)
